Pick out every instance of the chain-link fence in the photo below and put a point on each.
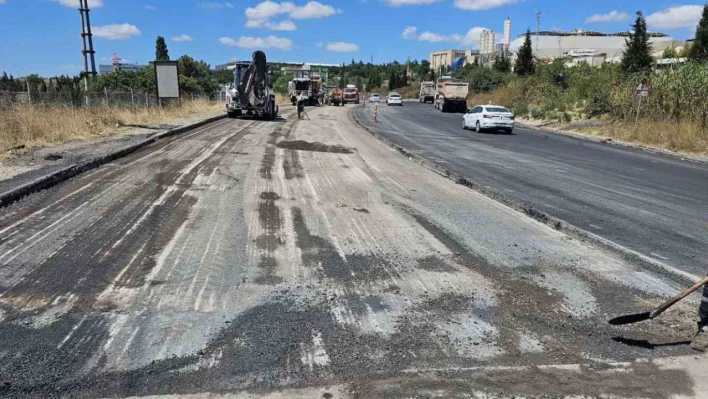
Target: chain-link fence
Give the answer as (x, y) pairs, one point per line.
(106, 98)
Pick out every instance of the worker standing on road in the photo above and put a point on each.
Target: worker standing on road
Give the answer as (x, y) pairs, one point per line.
(700, 341)
(300, 105)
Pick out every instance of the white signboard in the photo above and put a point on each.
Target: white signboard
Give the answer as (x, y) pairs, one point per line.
(167, 79)
(643, 90)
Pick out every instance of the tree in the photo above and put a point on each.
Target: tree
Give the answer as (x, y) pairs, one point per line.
(668, 53)
(393, 80)
(699, 49)
(359, 83)
(161, 53)
(685, 51)
(637, 54)
(524, 60)
(503, 64)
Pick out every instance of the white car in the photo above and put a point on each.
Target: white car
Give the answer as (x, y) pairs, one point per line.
(374, 98)
(490, 117)
(394, 99)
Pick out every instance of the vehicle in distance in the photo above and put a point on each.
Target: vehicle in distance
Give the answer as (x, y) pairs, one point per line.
(374, 98)
(488, 117)
(394, 98)
(427, 92)
(333, 96)
(351, 94)
(451, 95)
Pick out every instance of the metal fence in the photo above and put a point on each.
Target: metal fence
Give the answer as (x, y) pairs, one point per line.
(106, 98)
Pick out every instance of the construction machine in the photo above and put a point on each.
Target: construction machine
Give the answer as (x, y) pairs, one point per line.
(252, 91)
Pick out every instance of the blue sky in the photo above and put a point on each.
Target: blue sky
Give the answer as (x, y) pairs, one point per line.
(42, 36)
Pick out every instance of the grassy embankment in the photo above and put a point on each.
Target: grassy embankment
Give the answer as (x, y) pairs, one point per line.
(603, 102)
(45, 126)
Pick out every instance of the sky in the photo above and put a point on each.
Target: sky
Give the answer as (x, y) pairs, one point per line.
(43, 36)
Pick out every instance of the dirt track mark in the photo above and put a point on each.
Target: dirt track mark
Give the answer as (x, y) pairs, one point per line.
(317, 147)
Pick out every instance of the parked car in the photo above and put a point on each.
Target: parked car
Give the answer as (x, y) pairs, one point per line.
(394, 98)
(374, 98)
(488, 117)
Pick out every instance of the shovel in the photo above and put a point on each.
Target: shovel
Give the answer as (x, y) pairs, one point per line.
(636, 318)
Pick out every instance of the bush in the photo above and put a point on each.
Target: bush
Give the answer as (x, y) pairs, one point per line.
(537, 113)
(566, 117)
(522, 110)
(598, 105)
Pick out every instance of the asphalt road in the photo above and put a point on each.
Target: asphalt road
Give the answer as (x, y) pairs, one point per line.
(306, 259)
(652, 204)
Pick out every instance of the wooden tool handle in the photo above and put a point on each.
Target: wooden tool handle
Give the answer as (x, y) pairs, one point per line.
(679, 297)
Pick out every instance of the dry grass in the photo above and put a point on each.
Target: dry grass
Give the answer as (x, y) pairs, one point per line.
(682, 137)
(282, 99)
(37, 126)
(501, 96)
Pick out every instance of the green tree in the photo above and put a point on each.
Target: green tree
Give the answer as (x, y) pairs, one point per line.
(685, 51)
(637, 54)
(404, 79)
(281, 83)
(524, 60)
(503, 64)
(699, 49)
(668, 53)
(359, 83)
(161, 53)
(393, 79)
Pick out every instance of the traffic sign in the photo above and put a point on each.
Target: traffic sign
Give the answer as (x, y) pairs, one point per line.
(643, 90)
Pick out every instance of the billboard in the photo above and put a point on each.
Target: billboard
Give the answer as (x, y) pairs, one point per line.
(167, 79)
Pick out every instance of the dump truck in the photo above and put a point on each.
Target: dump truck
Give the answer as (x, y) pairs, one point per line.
(307, 86)
(451, 95)
(427, 92)
(351, 94)
(252, 90)
(333, 96)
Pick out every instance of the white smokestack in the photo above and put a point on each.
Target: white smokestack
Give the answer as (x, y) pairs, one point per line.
(507, 31)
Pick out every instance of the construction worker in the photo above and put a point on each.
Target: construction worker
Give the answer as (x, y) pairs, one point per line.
(700, 341)
(301, 105)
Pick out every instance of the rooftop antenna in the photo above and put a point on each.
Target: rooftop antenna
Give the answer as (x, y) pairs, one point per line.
(538, 30)
(86, 34)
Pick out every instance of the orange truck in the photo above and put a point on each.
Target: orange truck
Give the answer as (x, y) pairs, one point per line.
(334, 96)
(351, 94)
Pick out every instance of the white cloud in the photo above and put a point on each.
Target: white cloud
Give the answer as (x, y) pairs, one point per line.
(116, 31)
(287, 25)
(149, 7)
(319, 44)
(259, 15)
(182, 38)
(3, 1)
(280, 43)
(215, 5)
(481, 4)
(612, 16)
(75, 4)
(398, 3)
(342, 47)
(676, 17)
(312, 10)
(471, 38)
(410, 33)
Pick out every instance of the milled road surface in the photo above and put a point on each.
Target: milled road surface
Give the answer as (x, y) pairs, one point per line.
(306, 259)
(652, 204)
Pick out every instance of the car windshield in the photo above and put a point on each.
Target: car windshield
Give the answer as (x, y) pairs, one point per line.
(204, 198)
(496, 109)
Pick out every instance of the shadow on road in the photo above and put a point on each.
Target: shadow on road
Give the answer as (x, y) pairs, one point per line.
(642, 343)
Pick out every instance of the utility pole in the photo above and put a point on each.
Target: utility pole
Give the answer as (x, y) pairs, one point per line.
(538, 31)
(87, 39)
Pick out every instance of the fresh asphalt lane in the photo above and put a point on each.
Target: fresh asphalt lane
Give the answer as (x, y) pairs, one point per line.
(650, 203)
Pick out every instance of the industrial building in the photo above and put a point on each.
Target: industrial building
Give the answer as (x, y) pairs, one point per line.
(446, 58)
(587, 46)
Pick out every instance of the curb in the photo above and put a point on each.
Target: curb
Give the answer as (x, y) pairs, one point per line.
(68, 172)
(558, 224)
(610, 141)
